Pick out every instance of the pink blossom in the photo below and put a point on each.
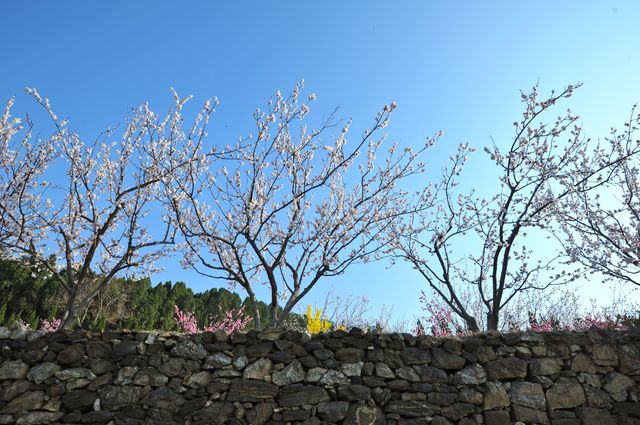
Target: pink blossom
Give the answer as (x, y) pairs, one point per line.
(51, 326)
(233, 321)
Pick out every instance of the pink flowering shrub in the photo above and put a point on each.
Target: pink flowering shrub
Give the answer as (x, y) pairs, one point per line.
(590, 321)
(50, 326)
(233, 321)
(440, 320)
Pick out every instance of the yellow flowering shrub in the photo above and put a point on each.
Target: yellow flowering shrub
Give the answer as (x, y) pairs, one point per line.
(315, 323)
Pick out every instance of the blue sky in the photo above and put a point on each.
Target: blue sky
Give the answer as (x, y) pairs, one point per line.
(456, 66)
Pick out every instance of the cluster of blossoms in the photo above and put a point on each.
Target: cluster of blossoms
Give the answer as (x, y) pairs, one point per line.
(590, 321)
(51, 326)
(440, 320)
(233, 321)
(315, 322)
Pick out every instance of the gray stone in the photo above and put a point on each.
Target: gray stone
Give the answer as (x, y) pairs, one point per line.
(604, 355)
(497, 417)
(6, 418)
(544, 366)
(384, 371)
(447, 361)
(150, 377)
(125, 375)
(361, 414)
(172, 367)
(270, 334)
(13, 389)
(333, 411)
(116, 397)
(124, 348)
(627, 408)
(240, 362)
(291, 374)
(415, 356)
(189, 350)
(471, 375)
(582, 363)
(333, 377)
(411, 408)
(442, 398)
(597, 397)
(284, 357)
(163, 398)
(71, 355)
(27, 401)
(432, 375)
(198, 379)
(13, 370)
(470, 395)
(349, 355)
(527, 394)
(259, 369)
(299, 395)
(591, 416)
(629, 360)
(101, 366)
(352, 369)
(41, 372)
(315, 374)
(495, 396)
(457, 411)
(617, 385)
(565, 394)
(217, 361)
(354, 393)
(75, 373)
(251, 390)
(98, 350)
(260, 413)
(35, 418)
(82, 400)
(216, 413)
(506, 368)
(528, 415)
(323, 354)
(100, 382)
(408, 373)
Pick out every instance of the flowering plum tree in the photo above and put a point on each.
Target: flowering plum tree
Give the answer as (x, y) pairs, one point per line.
(22, 163)
(292, 206)
(100, 201)
(603, 226)
(544, 164)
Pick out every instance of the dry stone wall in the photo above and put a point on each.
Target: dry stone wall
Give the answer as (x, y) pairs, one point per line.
(280, 377)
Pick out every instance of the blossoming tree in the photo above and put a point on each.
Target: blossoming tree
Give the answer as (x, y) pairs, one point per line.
(293, 205)
(101, 198)
(22, 163)
(472, 249)
(602, 227)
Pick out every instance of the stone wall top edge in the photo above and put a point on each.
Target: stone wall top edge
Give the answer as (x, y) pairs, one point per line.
(489, 337)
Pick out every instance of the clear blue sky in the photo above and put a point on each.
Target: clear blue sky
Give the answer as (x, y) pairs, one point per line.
(456, 66)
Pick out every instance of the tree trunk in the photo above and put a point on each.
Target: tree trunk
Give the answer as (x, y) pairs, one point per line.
(257, 319)
(70, 315)
(472, 324)
(492, 320)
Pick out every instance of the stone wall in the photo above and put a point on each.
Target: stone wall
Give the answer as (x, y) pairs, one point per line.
(279, 377)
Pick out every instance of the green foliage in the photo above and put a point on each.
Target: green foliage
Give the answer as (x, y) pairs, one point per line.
(31, 295)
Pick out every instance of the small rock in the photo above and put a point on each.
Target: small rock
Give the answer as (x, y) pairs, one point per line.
(259, 369)
(471, 375)
(41, 372)
(13, 370)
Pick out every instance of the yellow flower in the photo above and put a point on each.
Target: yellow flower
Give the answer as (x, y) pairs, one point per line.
(315, 323)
